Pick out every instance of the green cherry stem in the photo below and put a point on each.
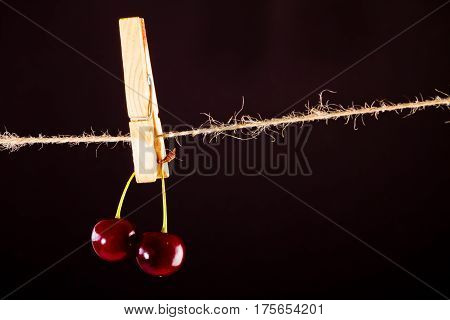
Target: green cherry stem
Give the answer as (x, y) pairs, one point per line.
(164, 203)
(119, 207)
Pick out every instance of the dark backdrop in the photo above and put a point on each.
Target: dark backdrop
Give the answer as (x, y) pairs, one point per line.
(386, 182)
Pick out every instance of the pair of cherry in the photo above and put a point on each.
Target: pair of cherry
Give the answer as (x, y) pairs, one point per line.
(157, 253)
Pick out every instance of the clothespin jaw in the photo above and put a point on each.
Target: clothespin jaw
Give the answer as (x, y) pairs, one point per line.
(142, 105)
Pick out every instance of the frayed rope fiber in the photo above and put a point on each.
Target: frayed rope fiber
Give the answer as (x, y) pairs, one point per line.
(252, 126)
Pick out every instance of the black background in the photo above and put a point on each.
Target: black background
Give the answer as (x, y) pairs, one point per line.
(386, 182)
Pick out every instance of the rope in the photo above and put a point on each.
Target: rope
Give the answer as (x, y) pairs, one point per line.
(12, 142)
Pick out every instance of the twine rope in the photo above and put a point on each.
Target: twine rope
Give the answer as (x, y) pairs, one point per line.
(254, 126)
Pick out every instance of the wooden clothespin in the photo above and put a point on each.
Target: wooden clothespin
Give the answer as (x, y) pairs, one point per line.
(142, 105)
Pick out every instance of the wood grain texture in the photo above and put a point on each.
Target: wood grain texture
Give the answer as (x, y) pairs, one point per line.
(142, 104)
(136, 67)
(144, 153)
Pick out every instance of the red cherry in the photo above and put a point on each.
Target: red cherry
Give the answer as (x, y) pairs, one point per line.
(112, 239)
(160, 254)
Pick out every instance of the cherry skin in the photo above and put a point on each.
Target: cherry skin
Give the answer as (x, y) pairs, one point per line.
(160, 254)
(112, 239)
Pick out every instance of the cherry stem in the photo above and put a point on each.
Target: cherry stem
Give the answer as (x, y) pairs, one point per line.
(119, 207)
(164, 204)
